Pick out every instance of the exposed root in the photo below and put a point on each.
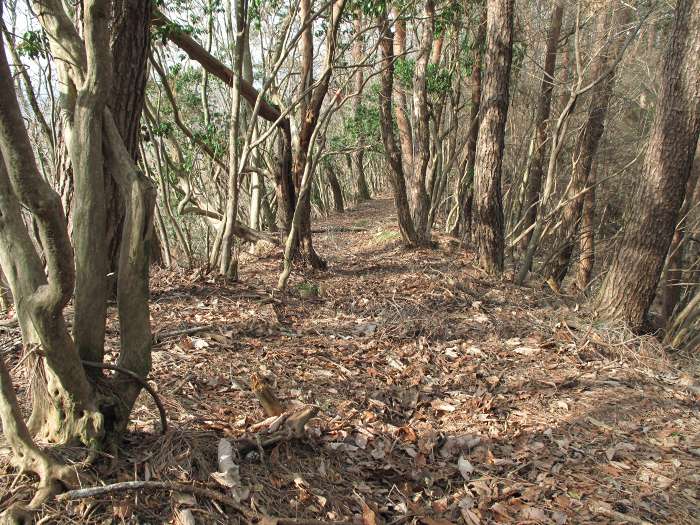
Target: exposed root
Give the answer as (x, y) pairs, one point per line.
(140, 381)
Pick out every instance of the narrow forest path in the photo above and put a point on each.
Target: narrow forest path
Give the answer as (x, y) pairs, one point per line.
(444, 396)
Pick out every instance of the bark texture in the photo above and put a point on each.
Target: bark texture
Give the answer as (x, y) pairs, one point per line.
(630, 284)
(488, 205)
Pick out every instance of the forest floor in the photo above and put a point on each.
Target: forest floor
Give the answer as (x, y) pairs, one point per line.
(444, 397)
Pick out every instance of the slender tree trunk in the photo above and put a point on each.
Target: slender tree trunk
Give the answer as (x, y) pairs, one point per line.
(488, 205)
(393, 153)
(586, 146)
(403, 122)
(673, 274)
(629, 286)
(544, 104)
(358, 155)
(465, 184)
(337, 191)
(586, 237)
(419, 184)
(228, 263)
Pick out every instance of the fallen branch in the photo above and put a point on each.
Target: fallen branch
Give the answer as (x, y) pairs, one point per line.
(339, 229)
(189, 489)
(160, 336)
(145, 485)
(140, 381)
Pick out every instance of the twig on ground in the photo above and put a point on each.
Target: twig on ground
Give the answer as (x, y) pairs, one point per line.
(249, 515)
(160, 336)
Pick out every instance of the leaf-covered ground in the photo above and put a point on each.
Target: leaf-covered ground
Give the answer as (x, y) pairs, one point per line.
(444, 396)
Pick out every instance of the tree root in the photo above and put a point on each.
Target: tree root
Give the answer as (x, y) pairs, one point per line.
(140, 381)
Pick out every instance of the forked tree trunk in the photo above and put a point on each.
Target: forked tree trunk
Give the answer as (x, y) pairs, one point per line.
(629, 286)
(488, 205)
(310, 110)
(40, 297)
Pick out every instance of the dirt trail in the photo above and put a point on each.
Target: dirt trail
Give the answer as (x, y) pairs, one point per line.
(444, 396)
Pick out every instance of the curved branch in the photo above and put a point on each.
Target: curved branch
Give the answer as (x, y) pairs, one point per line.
(140, 381)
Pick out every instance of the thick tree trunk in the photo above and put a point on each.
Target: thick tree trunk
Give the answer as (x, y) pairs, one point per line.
(488, 205)
(629, 287)
(130, 45)
(544, 104)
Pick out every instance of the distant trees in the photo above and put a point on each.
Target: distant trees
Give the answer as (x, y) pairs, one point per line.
(521, 133)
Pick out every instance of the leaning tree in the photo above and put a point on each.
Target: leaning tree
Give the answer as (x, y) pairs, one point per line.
(69, 404)
(629, 287)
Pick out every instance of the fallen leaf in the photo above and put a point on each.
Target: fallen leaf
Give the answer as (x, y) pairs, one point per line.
(442, 406)
(465, 467)
(369, 517)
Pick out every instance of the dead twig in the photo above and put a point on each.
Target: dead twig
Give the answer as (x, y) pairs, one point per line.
(161, 336)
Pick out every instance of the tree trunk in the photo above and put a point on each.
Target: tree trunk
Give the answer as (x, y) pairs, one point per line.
(629, 287)
(401, 105)
(544, 104)
(310, 110)
(465, 184)
(228, 263)
(488, 205)
(130, 44)
(358, 155)
(393, 153)
(338, 204)
(673, 275)
(586, 145)
(586, 237)
(419, 184)
(40, 297)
